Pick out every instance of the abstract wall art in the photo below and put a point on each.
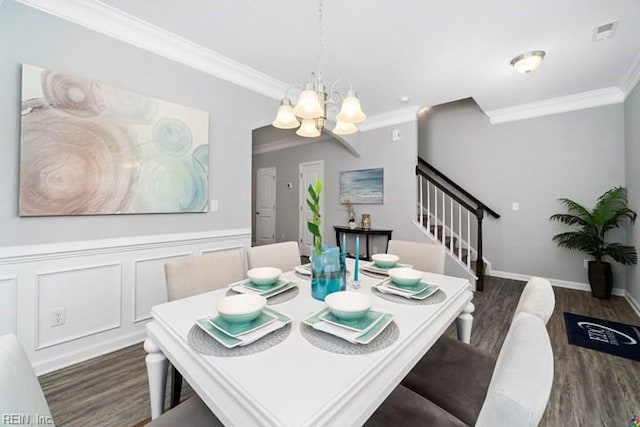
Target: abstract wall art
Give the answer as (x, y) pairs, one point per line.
(90, 149)
(364, 186)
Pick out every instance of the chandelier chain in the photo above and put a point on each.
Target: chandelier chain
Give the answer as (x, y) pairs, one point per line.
(320, 41)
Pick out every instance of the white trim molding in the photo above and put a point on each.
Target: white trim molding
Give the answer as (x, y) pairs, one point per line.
(48, 276)
(555, 282)
(115, 23)
(30, 253)
(390, 118)
(563, 104)
(632, 77)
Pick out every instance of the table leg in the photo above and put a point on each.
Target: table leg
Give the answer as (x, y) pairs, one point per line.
(464, 323)
(368, 249)
(157, 373)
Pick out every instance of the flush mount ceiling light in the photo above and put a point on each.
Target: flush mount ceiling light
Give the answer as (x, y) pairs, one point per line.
(528, 62)
(312, 103)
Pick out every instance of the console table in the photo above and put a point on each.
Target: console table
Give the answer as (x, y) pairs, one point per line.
(362, 231)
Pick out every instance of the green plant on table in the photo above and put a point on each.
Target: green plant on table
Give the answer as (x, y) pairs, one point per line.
(313, 201)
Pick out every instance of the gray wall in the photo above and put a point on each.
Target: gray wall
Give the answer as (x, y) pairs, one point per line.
(397, 158)
(632, 135)
(578, 155)
(29, 36)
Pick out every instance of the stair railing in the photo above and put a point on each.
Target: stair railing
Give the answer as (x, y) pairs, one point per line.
(462, 205)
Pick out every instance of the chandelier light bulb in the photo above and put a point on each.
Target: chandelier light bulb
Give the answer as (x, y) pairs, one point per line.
(285, 119)
(308, 129)
(308, 106)
(344, 128)
(351, 111)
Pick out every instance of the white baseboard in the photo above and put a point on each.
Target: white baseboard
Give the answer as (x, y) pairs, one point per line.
(635, 305)
(74, 357)
(554, 282)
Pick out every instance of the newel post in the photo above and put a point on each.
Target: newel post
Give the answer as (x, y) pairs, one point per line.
(479, 260)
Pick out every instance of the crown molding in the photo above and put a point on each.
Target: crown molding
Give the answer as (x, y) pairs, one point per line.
(115, 23)
(563, 104)
(632, 77)
(390, 118)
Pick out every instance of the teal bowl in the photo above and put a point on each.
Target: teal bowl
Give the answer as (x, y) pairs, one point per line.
(241, 308)
(405, 276)
(264, 276)
(385, 260)
(349, 305)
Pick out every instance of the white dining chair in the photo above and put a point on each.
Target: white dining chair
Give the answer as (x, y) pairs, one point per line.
(464, 388)
(197, 274)
(20, 393)
(537, 298)
(284, 256)
(423, 256)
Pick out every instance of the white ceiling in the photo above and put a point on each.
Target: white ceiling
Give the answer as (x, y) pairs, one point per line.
(432, 51)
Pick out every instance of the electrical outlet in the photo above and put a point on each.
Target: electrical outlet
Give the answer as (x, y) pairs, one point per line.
(586, 263)
(58, 317)
(283, 236)
(375, 250)
(214, 205)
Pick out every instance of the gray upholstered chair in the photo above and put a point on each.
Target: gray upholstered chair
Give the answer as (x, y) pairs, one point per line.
(464, 388)
(197, 274)
(284, 256)
(20, 392)
(423, 256)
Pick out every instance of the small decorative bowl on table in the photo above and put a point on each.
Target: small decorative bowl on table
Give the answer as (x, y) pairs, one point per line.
(349, 305)
(405, 276)
(264, 276)
(385, 260)
(241, 308)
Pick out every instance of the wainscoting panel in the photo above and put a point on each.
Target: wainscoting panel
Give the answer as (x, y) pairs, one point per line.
(77, 293)
(7, 305)
(150, 284)
(106, 288)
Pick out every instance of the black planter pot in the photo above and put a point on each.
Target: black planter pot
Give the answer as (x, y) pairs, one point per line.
(600, 279)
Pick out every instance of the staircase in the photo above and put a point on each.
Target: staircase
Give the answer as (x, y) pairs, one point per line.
(452, 217)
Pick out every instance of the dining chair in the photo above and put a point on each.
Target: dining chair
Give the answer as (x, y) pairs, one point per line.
(423, 256)
(197, 274)
(453, 372)
(537, 298)
(465, 389)
(284, 256)
(21, 393)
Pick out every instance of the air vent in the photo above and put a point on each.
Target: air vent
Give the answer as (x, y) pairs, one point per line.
(605, 31)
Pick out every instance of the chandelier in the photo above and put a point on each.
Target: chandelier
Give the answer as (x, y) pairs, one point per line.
(312, 103)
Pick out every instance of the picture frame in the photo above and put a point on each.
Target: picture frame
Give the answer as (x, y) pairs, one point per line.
(362, 186)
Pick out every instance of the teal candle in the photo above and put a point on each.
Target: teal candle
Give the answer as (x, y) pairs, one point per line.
(355, 270)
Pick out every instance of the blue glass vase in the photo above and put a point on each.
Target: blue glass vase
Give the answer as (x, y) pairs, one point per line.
(327, 272)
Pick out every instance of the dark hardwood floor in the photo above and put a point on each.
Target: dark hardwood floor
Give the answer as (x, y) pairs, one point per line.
(590, 388)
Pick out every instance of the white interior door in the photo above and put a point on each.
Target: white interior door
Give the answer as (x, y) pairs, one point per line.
(309, 173)
(265, 206)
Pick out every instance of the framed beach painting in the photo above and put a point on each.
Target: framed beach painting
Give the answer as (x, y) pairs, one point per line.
(363, 186)
(91, 149)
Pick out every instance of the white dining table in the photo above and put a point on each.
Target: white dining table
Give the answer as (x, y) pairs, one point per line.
(295, 383)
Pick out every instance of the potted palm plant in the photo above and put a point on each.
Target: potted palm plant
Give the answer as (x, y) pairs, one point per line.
(610, 212)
